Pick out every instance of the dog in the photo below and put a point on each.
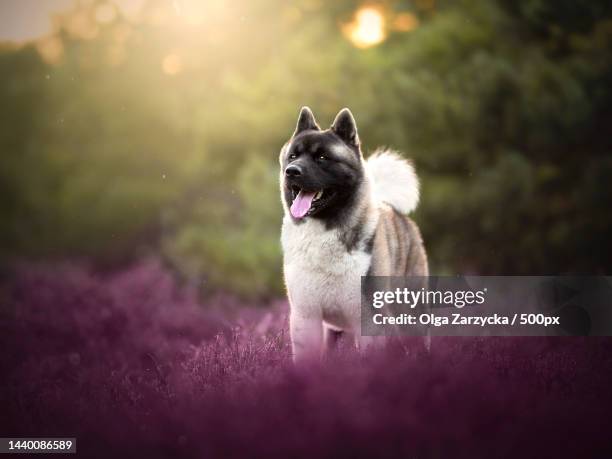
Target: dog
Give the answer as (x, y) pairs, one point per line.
(345, 217)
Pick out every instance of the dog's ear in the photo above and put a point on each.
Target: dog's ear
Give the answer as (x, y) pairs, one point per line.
(344, 126)
(306, 122)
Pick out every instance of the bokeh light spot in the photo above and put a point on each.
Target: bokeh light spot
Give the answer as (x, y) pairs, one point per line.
(105, 13)
(367, 28)
(172, 64)
(405, 22)
(51, 49)
(81, 25)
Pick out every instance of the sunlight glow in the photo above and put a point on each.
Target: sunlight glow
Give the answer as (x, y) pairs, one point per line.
(193, 12)
(367, 28)
(196, 13)
(129, 8)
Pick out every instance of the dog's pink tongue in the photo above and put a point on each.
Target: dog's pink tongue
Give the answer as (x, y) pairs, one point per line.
(301, 203)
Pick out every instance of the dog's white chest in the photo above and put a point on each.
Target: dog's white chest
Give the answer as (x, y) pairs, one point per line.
(320, 273)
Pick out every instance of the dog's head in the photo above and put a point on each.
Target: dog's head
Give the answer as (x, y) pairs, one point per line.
(321, 170)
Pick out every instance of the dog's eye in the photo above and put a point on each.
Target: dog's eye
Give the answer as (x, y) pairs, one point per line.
(292, 156)
(321, 158)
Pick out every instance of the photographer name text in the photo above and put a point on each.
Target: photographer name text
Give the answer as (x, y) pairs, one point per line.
(465, 320)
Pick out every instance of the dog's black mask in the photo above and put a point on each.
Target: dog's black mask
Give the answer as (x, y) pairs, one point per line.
(321, 170)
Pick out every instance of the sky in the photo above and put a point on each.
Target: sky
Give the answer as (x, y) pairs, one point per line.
(22, 20)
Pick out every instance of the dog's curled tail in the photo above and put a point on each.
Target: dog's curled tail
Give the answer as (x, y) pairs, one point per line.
(395, 181)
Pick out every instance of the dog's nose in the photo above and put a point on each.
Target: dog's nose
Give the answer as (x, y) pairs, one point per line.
(293, 171)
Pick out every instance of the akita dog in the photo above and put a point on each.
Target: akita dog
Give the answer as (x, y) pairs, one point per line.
(345, 217)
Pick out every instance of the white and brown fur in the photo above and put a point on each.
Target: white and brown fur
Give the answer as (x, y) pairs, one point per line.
(360, 229)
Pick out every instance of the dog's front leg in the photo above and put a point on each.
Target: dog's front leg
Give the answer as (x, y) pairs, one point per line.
(306, 335)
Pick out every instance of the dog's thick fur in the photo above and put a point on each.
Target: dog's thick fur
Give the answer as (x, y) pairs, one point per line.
(357, 227)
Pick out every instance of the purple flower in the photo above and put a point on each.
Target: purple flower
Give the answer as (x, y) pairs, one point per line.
(133, 364)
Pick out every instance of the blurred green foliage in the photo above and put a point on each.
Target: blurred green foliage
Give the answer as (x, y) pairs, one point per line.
(115, 149)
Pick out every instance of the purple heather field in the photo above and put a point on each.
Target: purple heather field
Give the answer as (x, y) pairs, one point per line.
(133, 364)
